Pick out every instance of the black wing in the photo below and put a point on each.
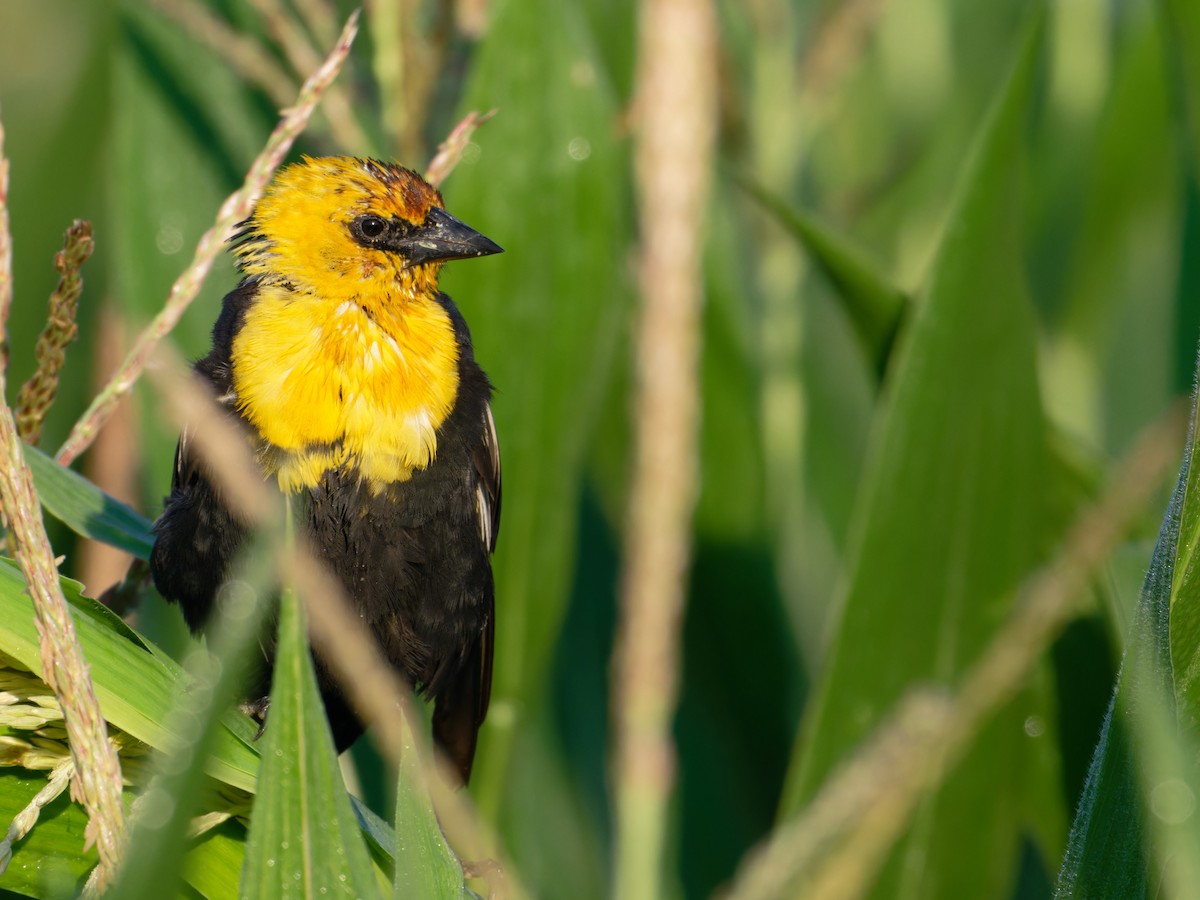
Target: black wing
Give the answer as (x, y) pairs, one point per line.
(195, 539)
(487, 489)
(462, 704)
(196, 536)
(487, 494)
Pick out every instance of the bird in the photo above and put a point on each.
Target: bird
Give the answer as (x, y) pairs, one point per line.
(355, 382)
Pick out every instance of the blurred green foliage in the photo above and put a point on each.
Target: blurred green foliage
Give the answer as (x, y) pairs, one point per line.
(854, 533)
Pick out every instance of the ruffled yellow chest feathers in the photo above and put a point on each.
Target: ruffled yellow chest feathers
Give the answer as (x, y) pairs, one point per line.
(332, 385)
(345, 358)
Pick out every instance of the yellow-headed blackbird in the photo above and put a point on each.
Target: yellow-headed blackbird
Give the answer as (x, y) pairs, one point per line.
(355, 379)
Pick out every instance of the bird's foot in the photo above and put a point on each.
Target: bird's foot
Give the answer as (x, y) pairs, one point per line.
(257, 709)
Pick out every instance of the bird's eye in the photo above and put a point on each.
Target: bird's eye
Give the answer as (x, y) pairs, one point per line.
(369, 227)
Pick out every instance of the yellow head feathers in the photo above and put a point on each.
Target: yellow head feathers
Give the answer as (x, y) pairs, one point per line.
(340, 226)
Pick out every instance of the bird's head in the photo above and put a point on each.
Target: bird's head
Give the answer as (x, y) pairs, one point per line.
(339, 225)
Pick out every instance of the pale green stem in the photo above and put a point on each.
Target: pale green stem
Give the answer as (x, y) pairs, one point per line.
(677, 111)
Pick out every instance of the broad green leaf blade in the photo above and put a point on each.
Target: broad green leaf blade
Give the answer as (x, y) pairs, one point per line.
(550, 186)
(1106, 373)
(86, 509)
(1184, 599)
(1105, 852)
(1181, 38)
(1182, 18)
(51, 857)
(951, 519)
(425, 864)
(381, 838)
(730, 376)
(213, 866)
(1158, 688)
(136, 687)
(873, 304)
(304, 837)
(109, 646)
(1169, 779)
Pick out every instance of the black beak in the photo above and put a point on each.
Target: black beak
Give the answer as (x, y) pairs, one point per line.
(441, 237)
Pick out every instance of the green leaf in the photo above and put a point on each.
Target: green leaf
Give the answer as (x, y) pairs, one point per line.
(873, 304)
(52, 854)
(1169, 780)
(425, 864)
(1107, 374)
(135, 683)
(1182, 32)
(1158, 691)
(1184, 598)
(1105, 851)
(304, 837)
(135, 686)
(86, 509)
(951, 518)
(545, 316)
(730, 382)
(379, 833)
(1181, 38)
(214, 863)
(213, 866)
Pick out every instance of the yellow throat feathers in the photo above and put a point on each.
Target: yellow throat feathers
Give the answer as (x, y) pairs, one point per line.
(345, 358)
(333, 385)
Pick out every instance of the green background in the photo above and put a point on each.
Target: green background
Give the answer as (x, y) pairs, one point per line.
(866, 508)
